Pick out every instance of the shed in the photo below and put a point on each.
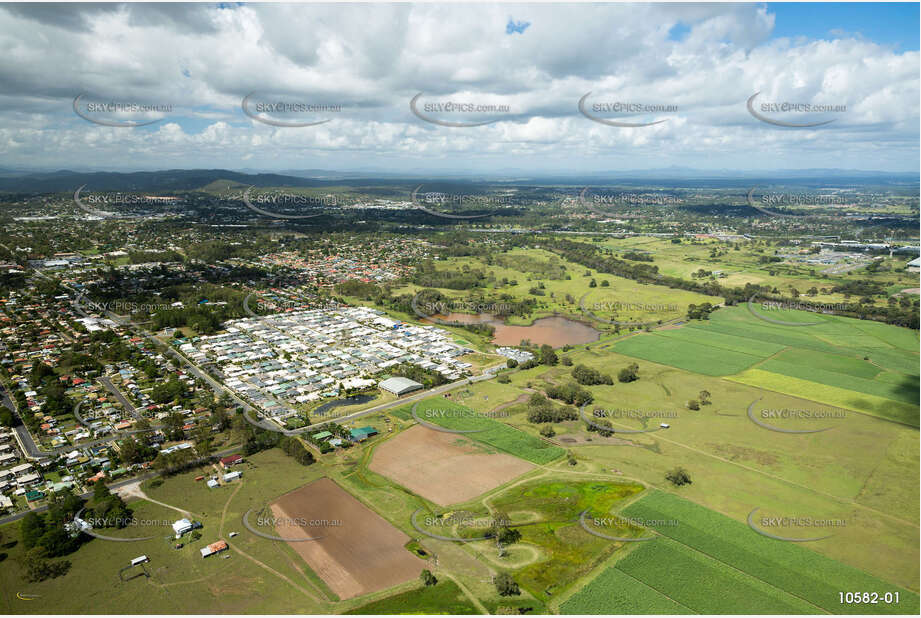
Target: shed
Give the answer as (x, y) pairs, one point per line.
(213, 548)
(399, 386)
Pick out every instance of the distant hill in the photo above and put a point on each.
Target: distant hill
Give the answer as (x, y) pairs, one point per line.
(167, 180)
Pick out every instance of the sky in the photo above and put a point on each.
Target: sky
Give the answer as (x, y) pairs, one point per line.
(660, 86)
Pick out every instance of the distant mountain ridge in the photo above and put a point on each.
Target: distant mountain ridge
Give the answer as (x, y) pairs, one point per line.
(188, 180)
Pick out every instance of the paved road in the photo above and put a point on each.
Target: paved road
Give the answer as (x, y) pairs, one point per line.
(487, 374)
(127, 405)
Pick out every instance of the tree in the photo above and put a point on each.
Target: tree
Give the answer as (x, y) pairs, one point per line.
(505, 585)
(31, 529)
(567, 362)
(628, 374)
(704, 397)
(547, 431)
(547, 355)
(503, 379)
(427, 578)
(37, 567)
(693, 405)
(678, 477)
(511, 363)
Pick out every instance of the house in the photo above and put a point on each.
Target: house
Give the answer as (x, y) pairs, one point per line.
(230, 460)
(29, 479)
(399, 386)
(323, 435)
(182, 526)
(214, 548)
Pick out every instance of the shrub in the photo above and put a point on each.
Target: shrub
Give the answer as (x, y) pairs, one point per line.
(505, 585)
(678, 477)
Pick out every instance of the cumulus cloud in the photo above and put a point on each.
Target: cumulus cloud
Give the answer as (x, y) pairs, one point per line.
(371, 60)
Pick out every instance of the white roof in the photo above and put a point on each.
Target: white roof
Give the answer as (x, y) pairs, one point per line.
(182, 525)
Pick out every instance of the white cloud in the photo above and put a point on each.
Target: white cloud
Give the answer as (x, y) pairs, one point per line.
(373, 59)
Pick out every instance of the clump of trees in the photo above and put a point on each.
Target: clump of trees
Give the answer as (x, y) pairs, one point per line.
(701, 312)
(542, 410)
(295, 449)
(584, 374)
(570, 393)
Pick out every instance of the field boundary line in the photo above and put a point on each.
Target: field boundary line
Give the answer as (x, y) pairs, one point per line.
(641, 582)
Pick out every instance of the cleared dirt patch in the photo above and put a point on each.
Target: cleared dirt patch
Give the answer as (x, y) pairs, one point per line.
(445, 468)
(363, 554)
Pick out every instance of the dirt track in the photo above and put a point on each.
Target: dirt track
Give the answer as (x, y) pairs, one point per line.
(363, 554)
(445, 468)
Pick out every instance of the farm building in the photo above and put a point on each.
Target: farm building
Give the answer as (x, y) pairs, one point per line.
(230, 460)
(232, 475)
(399, 386)
(363, 433)
(214, 548)
(212, 483)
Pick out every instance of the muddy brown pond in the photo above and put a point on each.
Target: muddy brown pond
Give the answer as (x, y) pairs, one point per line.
(554, 331)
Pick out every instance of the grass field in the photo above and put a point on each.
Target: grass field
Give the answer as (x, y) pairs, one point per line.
(530, 267)
(554, 551)
(705, 536)
(494, 433)
(443, 598)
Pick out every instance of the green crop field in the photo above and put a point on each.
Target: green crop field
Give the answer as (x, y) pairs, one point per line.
(445, 597)
(790, 567)
(615, 592)
(863, 366)
(703, 584)
(494, 433)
